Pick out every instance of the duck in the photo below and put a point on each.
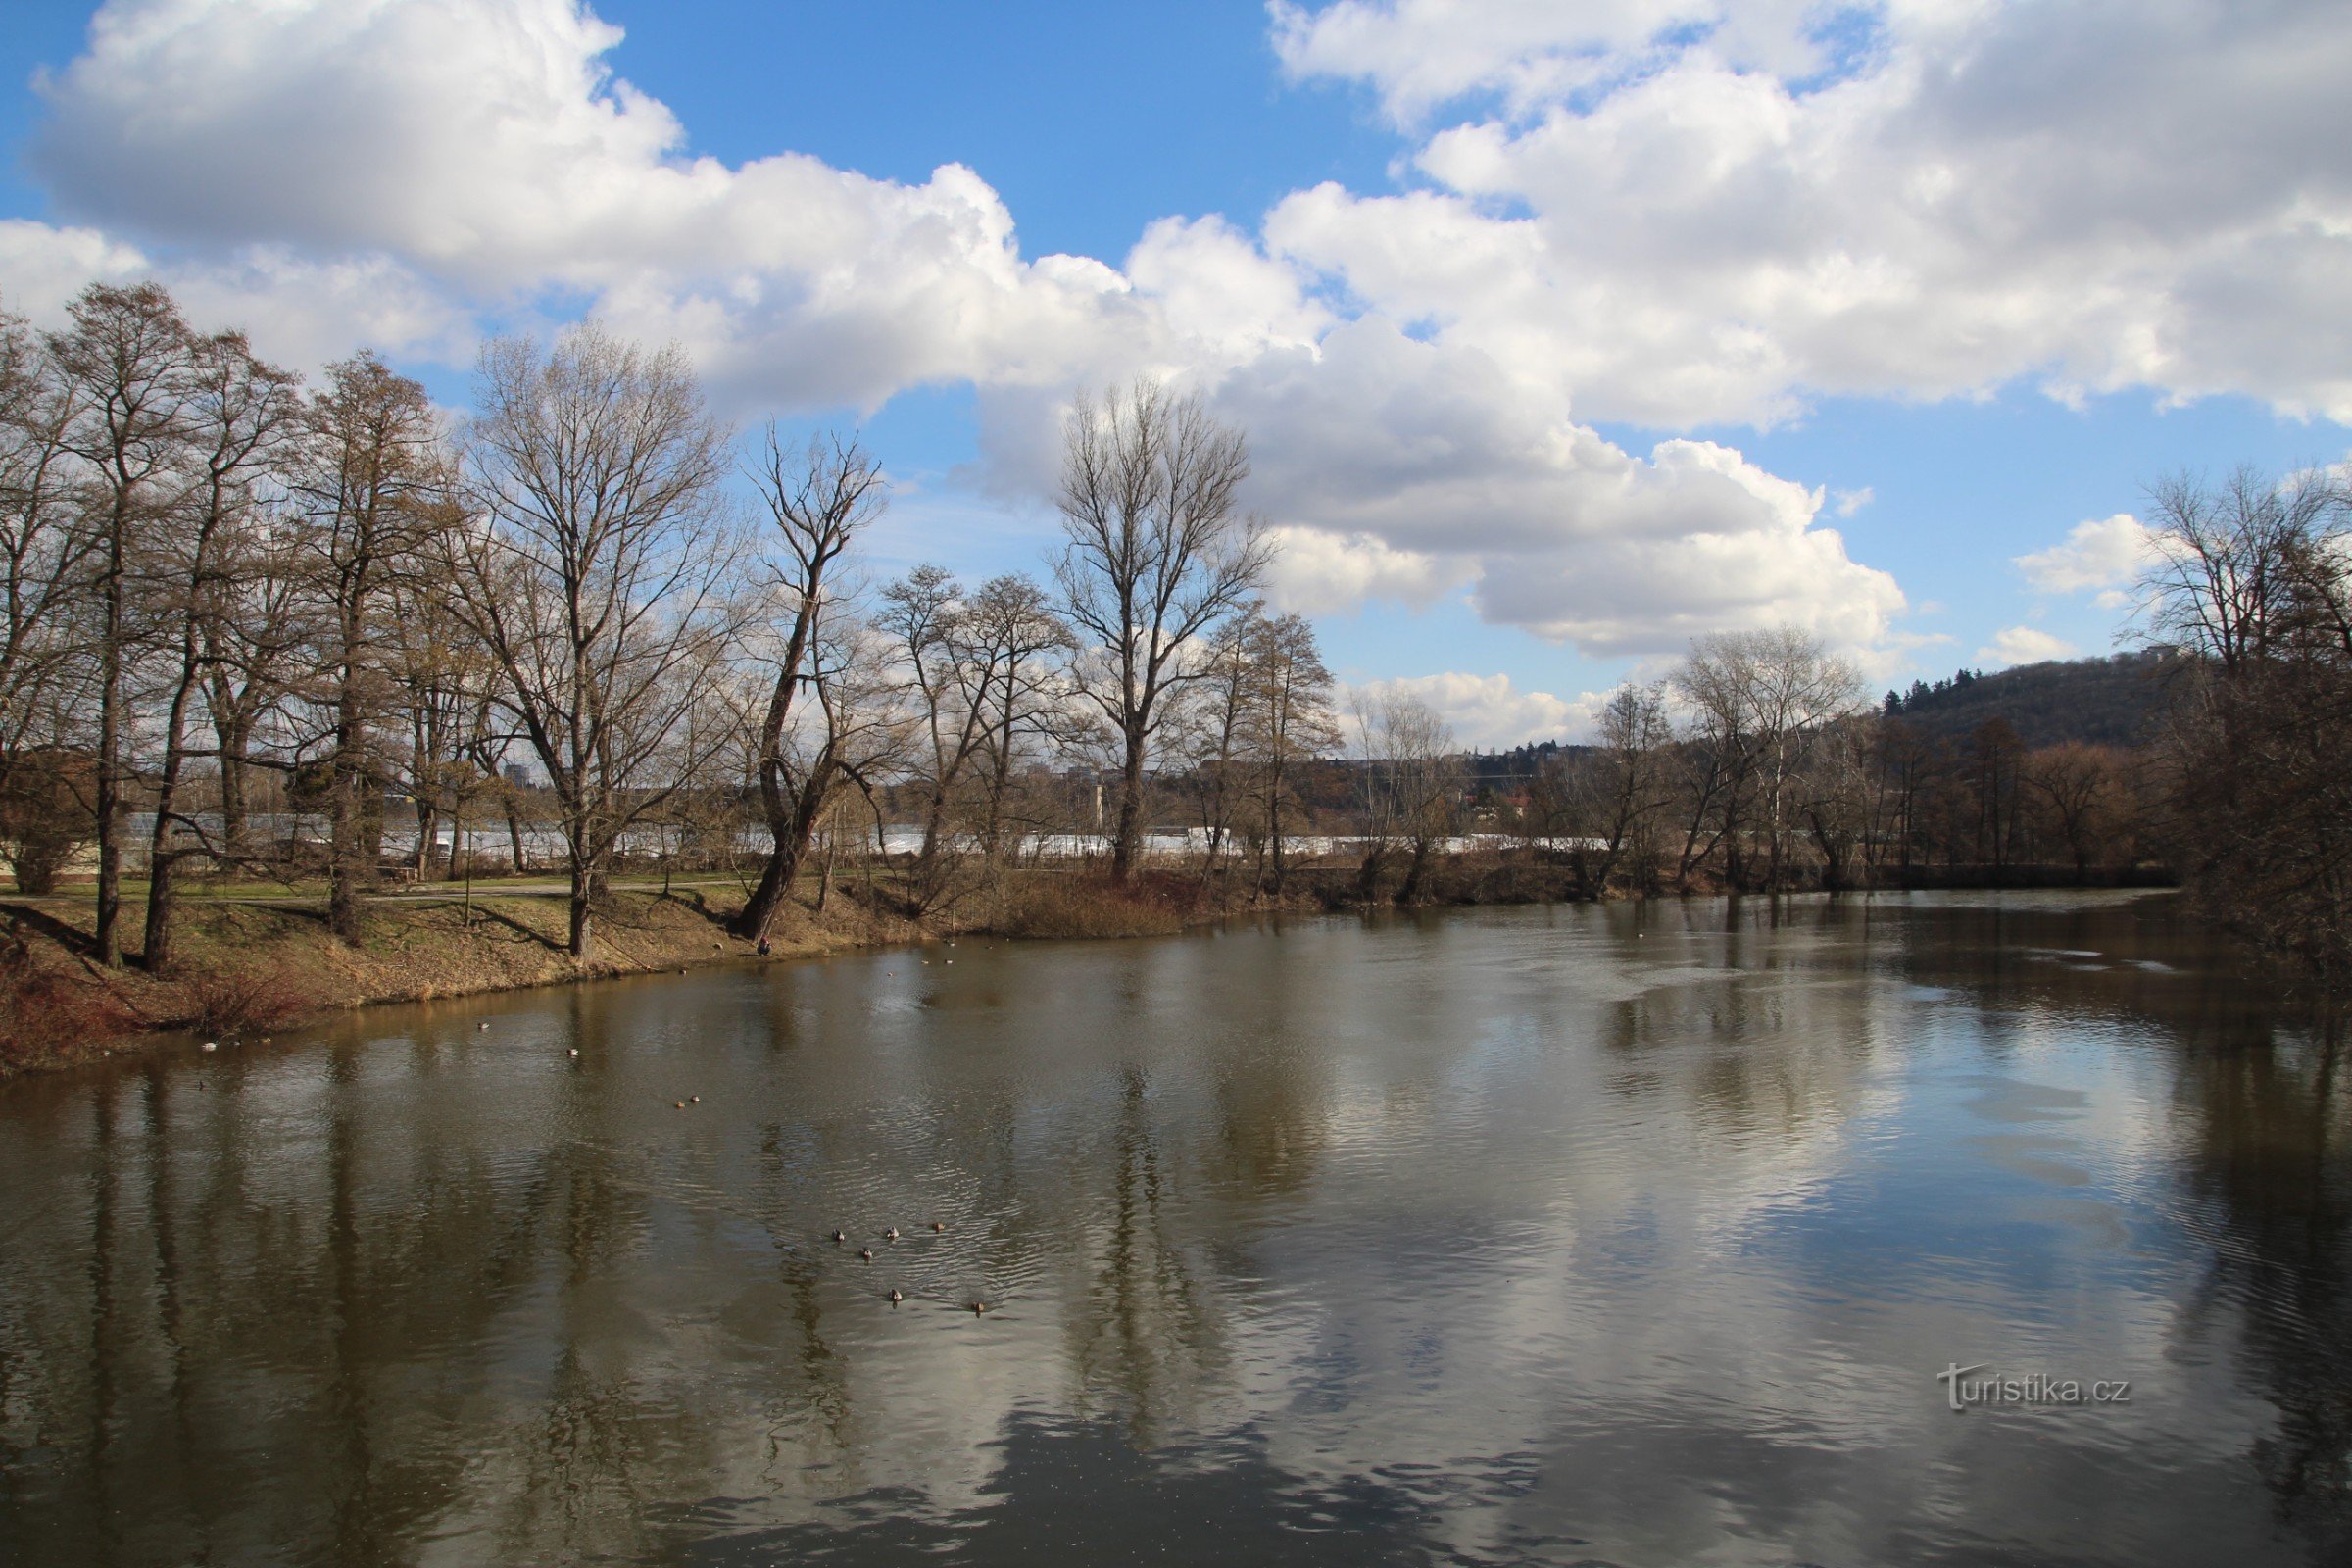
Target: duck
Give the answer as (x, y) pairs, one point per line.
(680, 1104)
(979, 1307)
(839, 1236)
(891, 1235)
(573, 1051)
(894, 1296)
(866, 1253)
(937, 1227)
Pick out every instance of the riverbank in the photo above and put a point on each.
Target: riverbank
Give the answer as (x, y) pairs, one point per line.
(247, 967)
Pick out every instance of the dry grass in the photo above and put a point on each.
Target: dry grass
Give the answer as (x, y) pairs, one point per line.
(1081, 906)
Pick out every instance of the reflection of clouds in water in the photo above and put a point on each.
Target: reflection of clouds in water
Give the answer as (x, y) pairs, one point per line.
(1503, 1229)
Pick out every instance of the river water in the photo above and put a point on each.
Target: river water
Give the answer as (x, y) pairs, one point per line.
(1635, 1234)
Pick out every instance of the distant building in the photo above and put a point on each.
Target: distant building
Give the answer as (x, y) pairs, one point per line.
(519, 774)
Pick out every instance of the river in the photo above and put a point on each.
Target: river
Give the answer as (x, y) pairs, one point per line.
(1635, 1234)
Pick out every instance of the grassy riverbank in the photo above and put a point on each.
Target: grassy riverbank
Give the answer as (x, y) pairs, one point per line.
(251, 960)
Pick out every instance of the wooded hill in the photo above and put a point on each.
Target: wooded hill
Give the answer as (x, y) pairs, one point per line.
(2099, 701)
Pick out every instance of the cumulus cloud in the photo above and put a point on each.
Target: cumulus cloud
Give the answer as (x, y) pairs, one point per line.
(1460, 474)
(1491, 713)
(2024, 645)
(1667, 213)
(1317, 573)
(1689, 212)
(2102, 556)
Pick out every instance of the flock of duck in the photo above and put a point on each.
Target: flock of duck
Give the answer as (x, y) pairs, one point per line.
(866, 1254)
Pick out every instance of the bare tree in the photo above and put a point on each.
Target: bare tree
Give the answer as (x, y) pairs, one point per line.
(239, 411)
(43, 559)
(127, 357)
(1413, 778)
(2220, 580)
(1629, 783)
(1013, 633)
(1290, 719)
(819, 503)
(1760, 699)
(1156, 550)
(372, 486)
(594, 572)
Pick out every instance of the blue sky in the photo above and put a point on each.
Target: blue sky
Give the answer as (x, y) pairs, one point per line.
(1561, 332)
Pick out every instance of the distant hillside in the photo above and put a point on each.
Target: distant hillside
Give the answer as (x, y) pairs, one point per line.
(2105, 702)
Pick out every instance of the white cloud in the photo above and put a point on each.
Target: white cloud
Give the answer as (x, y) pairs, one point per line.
(1666, 212)
(2104, 556)
(1438, 456)
(1849, 502)
(1316, 572)
(1691, 227)
(2024, 645)
(1490, 712)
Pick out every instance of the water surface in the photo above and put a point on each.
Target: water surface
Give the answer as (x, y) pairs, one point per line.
(1634, 1233)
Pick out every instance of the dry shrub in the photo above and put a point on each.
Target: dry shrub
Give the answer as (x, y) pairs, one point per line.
(1052, 904)
(246, 1001)
(47, 1016)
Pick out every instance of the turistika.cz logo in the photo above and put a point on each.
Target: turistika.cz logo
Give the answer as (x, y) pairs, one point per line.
(1963, 1391)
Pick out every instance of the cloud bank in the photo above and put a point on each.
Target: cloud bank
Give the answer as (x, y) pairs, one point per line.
(1660, 213)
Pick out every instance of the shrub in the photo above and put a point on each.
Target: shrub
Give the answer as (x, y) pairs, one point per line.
(45, 1016)
(238, 1002)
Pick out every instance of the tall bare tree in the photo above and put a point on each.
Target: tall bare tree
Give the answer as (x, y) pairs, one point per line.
(817, 502)
(1024, 646)
(595, 573)
(1290, 720)
(43, 624)
(372, 484)
(1157, 549)
(128, 357)
(239, 413)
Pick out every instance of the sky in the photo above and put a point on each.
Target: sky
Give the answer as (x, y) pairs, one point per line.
(1562, 330)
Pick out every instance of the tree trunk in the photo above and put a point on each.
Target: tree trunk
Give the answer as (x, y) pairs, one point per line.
(109, 935)
(1128, 838)
(163, 865)
(583, 902)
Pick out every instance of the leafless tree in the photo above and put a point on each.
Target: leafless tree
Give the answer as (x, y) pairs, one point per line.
(1290, 720)
(1761, 699)
(239, 411)
(128, 361)
(1628, 784)
(1156, 550)
(1026, 697)
(594, 570)
(374, 492)
(817, 502)
(1413, 778)
(43, 558)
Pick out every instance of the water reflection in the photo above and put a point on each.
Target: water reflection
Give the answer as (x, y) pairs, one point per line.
(1632, 1234)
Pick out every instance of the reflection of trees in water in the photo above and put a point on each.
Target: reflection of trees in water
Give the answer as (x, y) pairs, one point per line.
(1147, 1330)
(2271, 1153)
(1758, 1042)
